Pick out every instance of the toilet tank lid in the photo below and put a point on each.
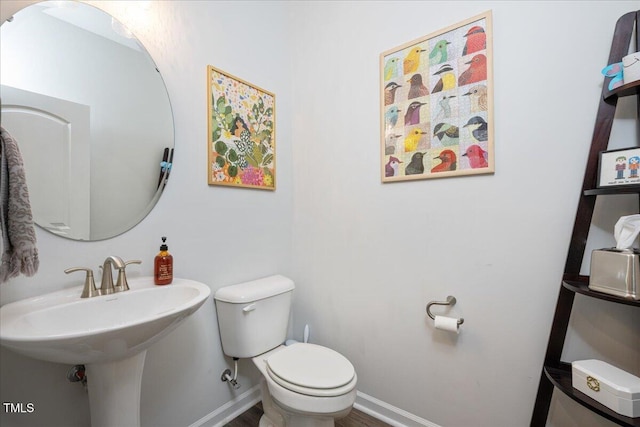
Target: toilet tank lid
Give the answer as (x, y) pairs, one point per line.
(255, 290)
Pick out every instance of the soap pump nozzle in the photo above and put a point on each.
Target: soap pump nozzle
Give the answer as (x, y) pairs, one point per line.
(163, 246)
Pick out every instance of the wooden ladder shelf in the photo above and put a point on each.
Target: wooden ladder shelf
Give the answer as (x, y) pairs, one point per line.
(556, 373)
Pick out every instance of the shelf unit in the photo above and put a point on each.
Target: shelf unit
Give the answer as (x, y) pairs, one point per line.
(560, 377)
(555, 372)
(581, 287)
(629, 189)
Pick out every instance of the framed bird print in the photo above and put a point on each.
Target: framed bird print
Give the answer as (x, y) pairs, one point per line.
(241, 126)
(436, 104)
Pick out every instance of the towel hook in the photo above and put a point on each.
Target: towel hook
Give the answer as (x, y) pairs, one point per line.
(451, 300)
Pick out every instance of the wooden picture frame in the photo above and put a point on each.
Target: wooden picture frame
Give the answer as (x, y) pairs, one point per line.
(436, 104)
(241, 132)
(617, 168)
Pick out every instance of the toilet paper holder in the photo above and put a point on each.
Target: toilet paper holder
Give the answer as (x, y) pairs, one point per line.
(451, 300)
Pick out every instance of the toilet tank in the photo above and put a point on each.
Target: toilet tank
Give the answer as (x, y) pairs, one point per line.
(253, 316)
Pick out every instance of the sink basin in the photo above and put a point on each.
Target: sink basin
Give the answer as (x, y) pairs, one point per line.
(110, 334)
(62, 327)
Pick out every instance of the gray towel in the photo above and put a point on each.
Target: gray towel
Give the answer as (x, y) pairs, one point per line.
(19, 252)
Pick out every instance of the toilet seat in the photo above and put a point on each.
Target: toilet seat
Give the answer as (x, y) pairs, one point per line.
(312, 370)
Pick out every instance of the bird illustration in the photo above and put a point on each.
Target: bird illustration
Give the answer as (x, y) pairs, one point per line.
(447, 133)
(447, 79)
(417, 89)
(445, 108)
(448, 159)
(479, 128)
(412, 116)
(390, 144)
(411, 62)
(476, 40)
(439, 53)
(391, 116)
(478, 96)
(392, 166)
(415, 166)
(391, 68)
(477, 157)
(390, 92)
(476, 72)
(412, 140)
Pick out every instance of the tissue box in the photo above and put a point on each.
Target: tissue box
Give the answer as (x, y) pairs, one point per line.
(616, 272)
(616, 389)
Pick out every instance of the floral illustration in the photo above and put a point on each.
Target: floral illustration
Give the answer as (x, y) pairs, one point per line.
(241, 133)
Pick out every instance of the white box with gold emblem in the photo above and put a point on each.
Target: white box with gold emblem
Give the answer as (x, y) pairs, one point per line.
(616, 389)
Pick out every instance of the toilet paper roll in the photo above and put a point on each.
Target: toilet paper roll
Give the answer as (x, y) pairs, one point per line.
(449, 324)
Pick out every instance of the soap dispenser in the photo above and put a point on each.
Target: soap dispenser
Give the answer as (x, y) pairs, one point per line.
(163, 265)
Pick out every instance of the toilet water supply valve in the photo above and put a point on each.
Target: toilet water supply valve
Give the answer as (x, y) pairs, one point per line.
(226, 375)
(77, 374)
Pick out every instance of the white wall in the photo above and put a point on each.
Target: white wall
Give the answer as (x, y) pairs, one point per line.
(366, 257)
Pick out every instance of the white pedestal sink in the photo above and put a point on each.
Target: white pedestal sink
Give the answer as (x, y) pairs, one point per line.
(110, 334)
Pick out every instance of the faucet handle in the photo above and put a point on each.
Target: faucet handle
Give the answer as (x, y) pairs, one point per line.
(89, 289)
(121, 283)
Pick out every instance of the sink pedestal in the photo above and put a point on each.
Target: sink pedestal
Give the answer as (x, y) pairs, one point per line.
(114, 391)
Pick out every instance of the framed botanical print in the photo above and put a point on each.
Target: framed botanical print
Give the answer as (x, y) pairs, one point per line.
(241, 126)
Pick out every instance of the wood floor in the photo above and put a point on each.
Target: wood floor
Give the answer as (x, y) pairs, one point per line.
(251, 418)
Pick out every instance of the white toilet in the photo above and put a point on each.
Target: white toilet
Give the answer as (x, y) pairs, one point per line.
(303, 385)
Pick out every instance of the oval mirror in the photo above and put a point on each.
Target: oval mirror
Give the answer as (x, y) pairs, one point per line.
(91, 115)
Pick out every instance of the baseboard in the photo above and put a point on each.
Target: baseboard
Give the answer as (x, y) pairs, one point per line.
(231, 409)
(369, 405)
(388, 413)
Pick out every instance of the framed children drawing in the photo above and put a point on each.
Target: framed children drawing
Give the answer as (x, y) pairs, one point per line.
(619, 167)
(436, 104)
(241, 127)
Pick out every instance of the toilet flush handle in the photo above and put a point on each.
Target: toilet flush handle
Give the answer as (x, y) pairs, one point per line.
(249, 308)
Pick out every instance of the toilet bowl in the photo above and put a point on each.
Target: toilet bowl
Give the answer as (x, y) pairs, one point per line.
(308, 380)
(303, 384)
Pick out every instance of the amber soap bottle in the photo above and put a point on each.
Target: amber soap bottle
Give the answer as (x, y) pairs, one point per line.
(163, 265)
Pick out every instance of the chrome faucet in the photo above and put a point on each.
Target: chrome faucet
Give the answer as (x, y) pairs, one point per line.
(106, 286)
